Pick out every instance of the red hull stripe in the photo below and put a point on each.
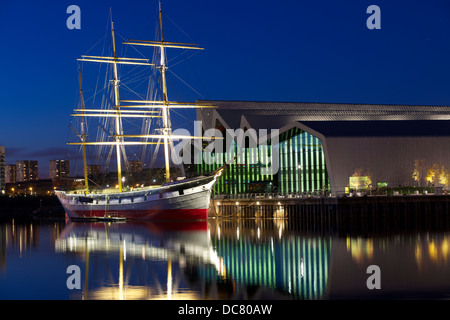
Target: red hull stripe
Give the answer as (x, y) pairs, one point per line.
(170, 214)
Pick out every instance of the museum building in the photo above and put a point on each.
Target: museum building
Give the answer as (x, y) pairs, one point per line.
(325, 147)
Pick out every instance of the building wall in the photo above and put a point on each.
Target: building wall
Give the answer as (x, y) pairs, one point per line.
(386, 159)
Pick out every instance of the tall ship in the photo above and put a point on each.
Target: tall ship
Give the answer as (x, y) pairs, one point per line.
(177, 198)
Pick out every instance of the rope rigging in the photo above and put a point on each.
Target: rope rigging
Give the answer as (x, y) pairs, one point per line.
(131, 82)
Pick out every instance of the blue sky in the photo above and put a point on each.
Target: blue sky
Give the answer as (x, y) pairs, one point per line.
(300, 51)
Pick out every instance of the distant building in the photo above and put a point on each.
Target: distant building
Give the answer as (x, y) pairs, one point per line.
(10, 174)
(59, 169)
(93, 170)
(26, 170)
(135, 166)
(2, 170)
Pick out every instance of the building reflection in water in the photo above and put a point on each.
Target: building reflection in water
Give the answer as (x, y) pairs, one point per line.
(428, 248)
(223, 259)
(361, 249)
(244, 259)
(23, 237)
(433, 248)
(412, 265)
(262, 255)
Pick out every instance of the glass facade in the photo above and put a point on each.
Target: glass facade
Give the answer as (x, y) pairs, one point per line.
(244, 175)
(301, 166)
(302, 163)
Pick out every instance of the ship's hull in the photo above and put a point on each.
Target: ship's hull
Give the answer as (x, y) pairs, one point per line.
(185, 200)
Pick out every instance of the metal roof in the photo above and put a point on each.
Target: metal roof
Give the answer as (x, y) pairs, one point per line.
(332, 118)
(331, 111)
(414, 128)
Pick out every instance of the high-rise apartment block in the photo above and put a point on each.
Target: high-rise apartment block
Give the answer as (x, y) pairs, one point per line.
(93, 170)
(26, 170)
(10, 173)
(135, 166)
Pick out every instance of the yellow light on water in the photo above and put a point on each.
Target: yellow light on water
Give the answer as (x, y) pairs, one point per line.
(444, 248)
(432, 251)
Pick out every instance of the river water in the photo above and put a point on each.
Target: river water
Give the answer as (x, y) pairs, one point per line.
(246, 259)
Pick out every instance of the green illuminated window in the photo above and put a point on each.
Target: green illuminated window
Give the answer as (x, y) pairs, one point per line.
(302, 167)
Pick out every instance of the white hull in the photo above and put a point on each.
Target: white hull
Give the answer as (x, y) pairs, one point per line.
(182, 200)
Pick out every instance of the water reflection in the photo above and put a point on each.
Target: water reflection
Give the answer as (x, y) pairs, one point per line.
(218, 259)
(263, 258)
(23, 238)
(427, 248)
(413, 265)
(140, 260)
(236, 259)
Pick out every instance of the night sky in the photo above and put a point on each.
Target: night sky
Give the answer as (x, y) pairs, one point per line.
(296, 51)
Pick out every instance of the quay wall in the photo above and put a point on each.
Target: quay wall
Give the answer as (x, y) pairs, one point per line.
(350, 214)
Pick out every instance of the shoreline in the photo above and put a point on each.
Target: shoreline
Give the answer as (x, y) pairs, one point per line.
(30, 207)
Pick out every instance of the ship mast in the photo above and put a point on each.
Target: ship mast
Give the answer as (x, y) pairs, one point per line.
(165, 110)
(118, 136)
(117, 107)
(165, 104)
(140, 108)
(83, 133)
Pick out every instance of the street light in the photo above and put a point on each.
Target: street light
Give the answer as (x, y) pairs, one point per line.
(299, 167)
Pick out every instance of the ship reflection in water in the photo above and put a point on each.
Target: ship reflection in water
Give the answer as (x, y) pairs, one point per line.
(218, 259)
(140, 260)
(244, 259)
